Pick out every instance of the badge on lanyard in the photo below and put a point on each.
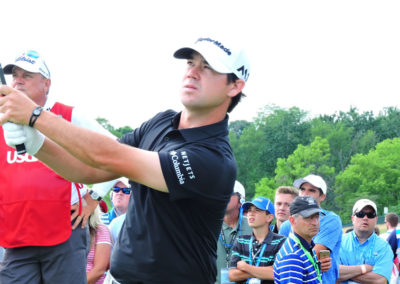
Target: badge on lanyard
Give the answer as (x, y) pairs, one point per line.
(254, 281)
(225, 276)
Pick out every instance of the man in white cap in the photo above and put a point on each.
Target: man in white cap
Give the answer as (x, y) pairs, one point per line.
(329, 236)
(36, 204)
(181, 161)
(234, 226)
(119, 195)
(365, 257)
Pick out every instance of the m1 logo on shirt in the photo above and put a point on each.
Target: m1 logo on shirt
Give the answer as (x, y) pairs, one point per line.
(13, 157)
(181, 166)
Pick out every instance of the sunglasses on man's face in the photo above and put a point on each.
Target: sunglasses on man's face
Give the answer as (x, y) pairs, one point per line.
(125, 190)
(362, 214)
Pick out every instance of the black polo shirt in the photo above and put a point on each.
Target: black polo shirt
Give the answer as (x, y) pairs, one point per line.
(172, 237)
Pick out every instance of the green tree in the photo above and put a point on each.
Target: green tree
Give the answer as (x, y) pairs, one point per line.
(117, 132)
(388, 123)
(313, 158)
(266, 187)
(282, 131)
(375, 176)
(274, 134)
(247, 151)
(237, 127)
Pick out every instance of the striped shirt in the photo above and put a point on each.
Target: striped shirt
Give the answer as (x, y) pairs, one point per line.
(102, 237)
(240, 251)
(106, 218)
(292, 265)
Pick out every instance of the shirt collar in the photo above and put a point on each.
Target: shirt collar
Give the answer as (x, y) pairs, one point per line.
(202, 132)
(268, 239)
(304, 243)
(373, 235)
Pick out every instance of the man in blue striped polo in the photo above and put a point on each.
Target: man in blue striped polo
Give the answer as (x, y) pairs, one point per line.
(296, 261)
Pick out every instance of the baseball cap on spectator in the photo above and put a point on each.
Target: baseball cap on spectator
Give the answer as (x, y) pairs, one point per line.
(306, 206)
(124, 180)
(261, 203)
(314, 180)
(239, 189)
(362, 203)
(220, 55)
(30, 61)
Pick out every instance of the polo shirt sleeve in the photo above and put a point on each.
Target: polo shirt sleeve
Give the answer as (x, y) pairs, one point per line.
(236, 255)
(384, 260)
(285, 228)
(330, 231)
(197, 170)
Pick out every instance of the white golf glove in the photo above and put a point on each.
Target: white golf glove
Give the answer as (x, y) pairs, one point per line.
(16, 134)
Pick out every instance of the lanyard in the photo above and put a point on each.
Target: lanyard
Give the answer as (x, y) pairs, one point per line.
(310, 258)
(251, 256)
(228, 247)
(260, 254)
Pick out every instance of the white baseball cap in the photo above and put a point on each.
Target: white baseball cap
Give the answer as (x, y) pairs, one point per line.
(221, 56)
(314, 180)
(360, 204)
(124, 180)
(239, 188)
(30, 61)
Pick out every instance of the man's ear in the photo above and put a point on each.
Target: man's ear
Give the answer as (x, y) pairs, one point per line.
(291, 220)
(236, 88)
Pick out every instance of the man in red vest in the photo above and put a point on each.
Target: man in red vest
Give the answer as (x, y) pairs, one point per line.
(180, 165)
(35, 202)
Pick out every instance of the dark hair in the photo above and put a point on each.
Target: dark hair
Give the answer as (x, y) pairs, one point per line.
(392, 218)
(236, 99)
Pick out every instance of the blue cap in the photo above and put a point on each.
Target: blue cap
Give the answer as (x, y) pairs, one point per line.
(261, 203)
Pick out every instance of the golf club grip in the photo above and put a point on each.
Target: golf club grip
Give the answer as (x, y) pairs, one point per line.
(21, 147)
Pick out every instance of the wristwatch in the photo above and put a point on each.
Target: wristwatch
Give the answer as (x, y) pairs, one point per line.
(35, 114)
(94, 195)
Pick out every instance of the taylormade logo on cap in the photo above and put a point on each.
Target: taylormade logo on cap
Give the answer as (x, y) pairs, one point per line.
(221, 56)
(217, 43)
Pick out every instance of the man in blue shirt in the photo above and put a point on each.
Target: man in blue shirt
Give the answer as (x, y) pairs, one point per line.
(296, 261)
(119, 196)
(329, 236)
(364, 257)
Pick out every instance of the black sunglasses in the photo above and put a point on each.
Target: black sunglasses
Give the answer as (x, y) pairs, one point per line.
(361, 214)
(125, 190)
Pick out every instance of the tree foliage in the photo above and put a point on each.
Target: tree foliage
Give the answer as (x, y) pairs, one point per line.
(281, 145)
(116, 131)
(375, 176)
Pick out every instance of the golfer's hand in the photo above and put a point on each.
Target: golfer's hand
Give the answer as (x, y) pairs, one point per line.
(16, 106)
(85, 214)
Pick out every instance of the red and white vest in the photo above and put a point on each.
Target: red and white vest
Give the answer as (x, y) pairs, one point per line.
(35, 202)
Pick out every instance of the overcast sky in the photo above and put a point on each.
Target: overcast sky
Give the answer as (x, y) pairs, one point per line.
(114, 58)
